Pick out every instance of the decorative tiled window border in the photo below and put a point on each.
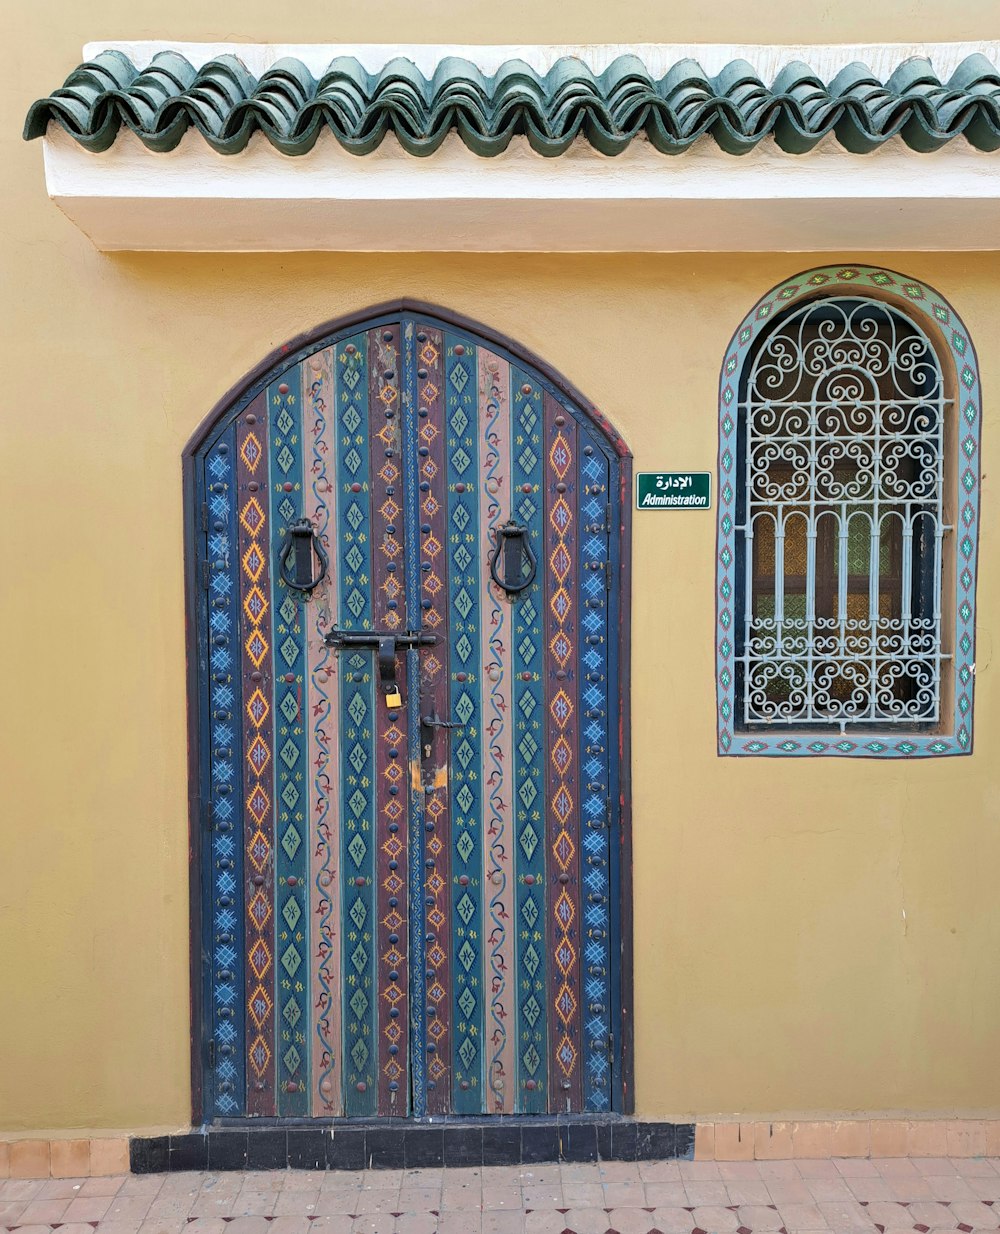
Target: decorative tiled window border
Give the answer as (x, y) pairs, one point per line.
(948, 328)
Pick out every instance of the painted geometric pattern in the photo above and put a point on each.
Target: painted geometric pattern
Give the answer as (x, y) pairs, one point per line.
(226, 942)
(528, 708)
(464, 545)
(942, 322)
(388, 501)
(445, 947)
(432, 507)
(258, 757)
(291, 799)
(360, 1009)
(595, 796)
(354, 533)
(562, 703)
(415, 373)
(357, 729)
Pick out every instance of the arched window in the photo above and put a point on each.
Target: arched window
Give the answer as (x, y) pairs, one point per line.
(847, 522)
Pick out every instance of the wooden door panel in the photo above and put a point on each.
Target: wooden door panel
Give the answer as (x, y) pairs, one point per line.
(410, 908)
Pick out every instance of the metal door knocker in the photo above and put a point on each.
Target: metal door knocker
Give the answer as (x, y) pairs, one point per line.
(519, 562)
(300, 557)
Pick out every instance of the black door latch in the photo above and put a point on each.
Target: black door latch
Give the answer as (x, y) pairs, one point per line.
(386, 644)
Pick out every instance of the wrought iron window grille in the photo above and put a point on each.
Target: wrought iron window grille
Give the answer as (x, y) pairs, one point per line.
(840, 524)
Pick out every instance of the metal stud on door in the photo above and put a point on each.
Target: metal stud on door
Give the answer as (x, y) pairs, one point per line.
(410, 693)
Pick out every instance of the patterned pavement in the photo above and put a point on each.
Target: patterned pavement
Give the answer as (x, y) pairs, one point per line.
(673, 1197)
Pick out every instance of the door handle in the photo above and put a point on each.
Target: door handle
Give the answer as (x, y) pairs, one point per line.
(428, 724)
(297, 568)
(513, 543)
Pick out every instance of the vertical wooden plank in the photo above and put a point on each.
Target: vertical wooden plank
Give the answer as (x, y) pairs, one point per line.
(388, 498)
(562, 789)
(529, 751)
(319, 431)
(227, 1087)
(435, 699)
(498, 786)
(415, 376)
(284, 404)
(357, 721)
(466, 763)
(595, 773)
(201, 848)
(258, 703)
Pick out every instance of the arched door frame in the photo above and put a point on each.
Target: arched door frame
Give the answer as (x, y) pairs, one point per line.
(225, 410)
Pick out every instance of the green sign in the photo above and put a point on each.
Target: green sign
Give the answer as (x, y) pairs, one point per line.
(674, 490)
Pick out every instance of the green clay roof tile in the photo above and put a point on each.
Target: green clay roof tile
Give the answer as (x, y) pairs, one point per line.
(227, 105)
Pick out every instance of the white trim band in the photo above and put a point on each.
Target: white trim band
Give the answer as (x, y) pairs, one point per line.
(192, 199)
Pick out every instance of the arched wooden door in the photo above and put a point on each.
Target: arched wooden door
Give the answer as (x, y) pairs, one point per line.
(409, 776)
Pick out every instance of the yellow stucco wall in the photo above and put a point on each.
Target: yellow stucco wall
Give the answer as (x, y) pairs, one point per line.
(811, 936)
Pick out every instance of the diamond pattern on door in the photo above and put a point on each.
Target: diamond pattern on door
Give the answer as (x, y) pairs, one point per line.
(413, 905)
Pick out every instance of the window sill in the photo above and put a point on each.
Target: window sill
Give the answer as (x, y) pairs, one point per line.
(854, 745)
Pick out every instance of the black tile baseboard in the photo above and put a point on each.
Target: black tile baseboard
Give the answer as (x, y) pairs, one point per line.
(189, 1152)
(463, 1144)
(394, 1144)
(539, 1142)
(306, 1148)
(227, 1150)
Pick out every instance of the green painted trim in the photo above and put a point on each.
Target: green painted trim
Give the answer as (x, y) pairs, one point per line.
(227, 105)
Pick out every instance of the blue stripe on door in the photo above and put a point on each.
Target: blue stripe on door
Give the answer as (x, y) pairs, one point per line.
(594, 778)
(226, 759)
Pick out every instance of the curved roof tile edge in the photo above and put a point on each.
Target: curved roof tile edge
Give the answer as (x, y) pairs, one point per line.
(227, 104)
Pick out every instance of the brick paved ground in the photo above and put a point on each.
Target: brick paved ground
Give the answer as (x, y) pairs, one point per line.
(674, 1197)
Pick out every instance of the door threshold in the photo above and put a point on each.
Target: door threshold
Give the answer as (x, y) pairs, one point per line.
(387, 1144)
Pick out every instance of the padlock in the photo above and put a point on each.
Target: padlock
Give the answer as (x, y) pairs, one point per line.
(393, 698)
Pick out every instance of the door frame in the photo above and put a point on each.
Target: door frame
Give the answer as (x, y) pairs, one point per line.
(229, 405)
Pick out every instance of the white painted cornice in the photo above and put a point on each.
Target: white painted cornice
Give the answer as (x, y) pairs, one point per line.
(192, 199)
